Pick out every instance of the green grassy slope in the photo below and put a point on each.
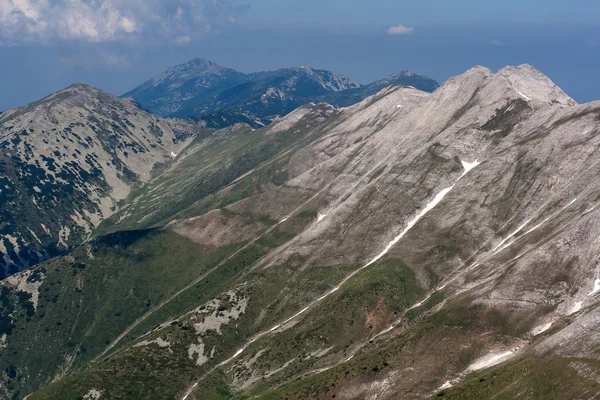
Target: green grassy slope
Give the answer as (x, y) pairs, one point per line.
(229, 166)
(88, 297)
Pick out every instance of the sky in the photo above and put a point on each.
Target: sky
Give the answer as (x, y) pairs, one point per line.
(46, 45)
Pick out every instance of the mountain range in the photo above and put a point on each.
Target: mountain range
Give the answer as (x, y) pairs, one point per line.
(221, 97)
(411, 245)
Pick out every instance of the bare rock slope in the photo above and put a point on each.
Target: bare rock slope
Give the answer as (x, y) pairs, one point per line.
(66, 161)
(412, 245)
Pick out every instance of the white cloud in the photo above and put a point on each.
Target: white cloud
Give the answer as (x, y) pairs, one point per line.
(46, 21)
(496, 43)
(400, 30)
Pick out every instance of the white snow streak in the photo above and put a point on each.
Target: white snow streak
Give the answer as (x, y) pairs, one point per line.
(568, 205)
(519, 229)
(576, 307)
(536, 227)
(320, 217)
(467, 167)
(590, 210)
(498, 249)
(523, 96)
(412, 223)
(596, 287)
(173, 154)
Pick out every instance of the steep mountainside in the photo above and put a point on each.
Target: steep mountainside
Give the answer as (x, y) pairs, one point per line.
(186, 89)
(66, 161)
(221, 97)
(413, 245)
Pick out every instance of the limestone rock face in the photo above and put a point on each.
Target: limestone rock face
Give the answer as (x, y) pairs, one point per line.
(66, 161)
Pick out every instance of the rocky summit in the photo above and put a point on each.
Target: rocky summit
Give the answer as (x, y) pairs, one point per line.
(412, 245)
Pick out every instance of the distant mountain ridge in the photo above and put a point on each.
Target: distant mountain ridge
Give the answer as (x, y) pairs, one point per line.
(222, 97)
(184, 88)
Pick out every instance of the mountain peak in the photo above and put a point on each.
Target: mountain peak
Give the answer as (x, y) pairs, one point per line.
(77, 92)
(403, 78)
(201, 63)
(184, 87)
(79, 85)
(303, 68)
(520, 69)
(531, 84)
(401, 73)
(512, 82)
(77, 88)
(192, 67)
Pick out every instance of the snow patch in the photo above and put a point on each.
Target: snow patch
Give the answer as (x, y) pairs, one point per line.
(537, 226)
(523, 96)
(320, 217)
(596, 287)
(412, 223)
(469, 166)
(577, 307)
(173, 154)
(570, 204)
(501, 245)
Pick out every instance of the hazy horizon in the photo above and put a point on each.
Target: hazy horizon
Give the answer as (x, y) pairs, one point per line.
(436, 40)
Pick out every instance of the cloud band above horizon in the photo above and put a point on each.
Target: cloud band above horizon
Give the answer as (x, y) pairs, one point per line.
(177, 21)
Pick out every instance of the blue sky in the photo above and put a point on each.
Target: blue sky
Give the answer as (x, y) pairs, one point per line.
(46, 45)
